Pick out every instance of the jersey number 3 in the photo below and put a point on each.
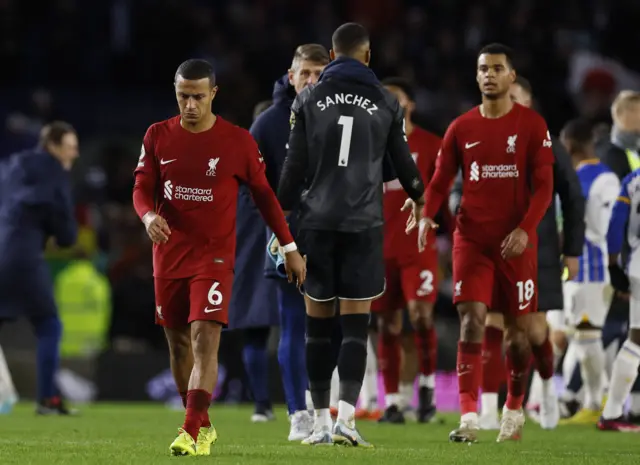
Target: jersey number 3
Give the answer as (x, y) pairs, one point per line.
(345, 143)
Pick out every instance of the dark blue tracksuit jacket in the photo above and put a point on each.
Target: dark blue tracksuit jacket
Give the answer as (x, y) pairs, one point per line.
(35, 204)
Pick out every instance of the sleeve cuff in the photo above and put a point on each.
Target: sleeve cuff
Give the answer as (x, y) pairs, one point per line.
(291, 247)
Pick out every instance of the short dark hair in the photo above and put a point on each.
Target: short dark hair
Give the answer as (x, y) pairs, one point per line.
(261, 107)
(54, 132)
(401, 83)
(525, 84)
(314, 53)
(579, 132)
(498, 49)
(195, 69)
(349, 37)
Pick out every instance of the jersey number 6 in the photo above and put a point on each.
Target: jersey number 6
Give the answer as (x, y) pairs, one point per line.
(214, 296)
(345, 143)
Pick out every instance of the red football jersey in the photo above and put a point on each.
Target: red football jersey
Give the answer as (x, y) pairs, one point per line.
(498, 158)
(397, 244)
(192, 180)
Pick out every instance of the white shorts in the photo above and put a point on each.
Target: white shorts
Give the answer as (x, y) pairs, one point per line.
(587, 302)
(634, 303)
(556, 319)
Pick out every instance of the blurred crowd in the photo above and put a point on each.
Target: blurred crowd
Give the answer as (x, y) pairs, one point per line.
(107, 67)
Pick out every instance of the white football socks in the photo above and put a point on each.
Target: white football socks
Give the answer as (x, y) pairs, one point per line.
(625, 371)
(369, 392)
(346, 413)
(406, 394)
(335, 389)
(590, 354)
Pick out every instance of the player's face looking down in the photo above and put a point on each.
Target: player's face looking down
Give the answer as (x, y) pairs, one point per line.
(494, 75)
(194, 98)
(66, 151)
(304, 73)
(519, 95)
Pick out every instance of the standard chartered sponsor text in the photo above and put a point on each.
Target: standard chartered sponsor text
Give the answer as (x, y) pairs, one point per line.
(193, 194)
(500, 171)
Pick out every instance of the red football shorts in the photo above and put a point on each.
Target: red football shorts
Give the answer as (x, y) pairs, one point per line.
(407, 280)
(181, 301)
(507, 286)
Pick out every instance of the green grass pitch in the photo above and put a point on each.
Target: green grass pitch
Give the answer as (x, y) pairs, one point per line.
(114, 434)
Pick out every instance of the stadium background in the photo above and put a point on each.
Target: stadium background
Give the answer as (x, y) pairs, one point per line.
(107, 67)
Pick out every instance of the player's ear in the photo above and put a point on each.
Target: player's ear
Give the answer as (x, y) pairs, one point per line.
(290, 75)
(367, 57)
(332, 54)
(214, 91)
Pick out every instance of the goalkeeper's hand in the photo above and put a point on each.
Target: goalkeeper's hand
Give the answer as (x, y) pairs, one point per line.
(274, 246)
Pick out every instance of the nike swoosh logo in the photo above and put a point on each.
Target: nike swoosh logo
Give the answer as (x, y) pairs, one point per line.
(166, 162)
(471, 145)
(523, 306)
(211, 310)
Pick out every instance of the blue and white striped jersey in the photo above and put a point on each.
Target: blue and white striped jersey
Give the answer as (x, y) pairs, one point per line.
(600, 187)
(625, 222)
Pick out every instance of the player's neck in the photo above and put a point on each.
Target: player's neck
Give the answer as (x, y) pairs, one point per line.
(584, 160)
(496, 108)
(408, 126)
(201, 126)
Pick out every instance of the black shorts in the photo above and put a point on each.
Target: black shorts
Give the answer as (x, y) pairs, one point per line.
(343, 265)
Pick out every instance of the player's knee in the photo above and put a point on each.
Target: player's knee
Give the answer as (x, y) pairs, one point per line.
(390, 323)
(49, 327)
(634, 335)
(538, 329)
(421, 314)
(559, 340)
(205, 338)
(471, 325)
(516, 339)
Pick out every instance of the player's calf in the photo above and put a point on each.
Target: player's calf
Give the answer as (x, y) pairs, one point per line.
(518, 360)
(205, 341)
(180, 358)
(469, 367)
(389, 355)
(591, 357)
(320, 363)
(543, 356)
(421, 314)
(493, 371)
(624, 374)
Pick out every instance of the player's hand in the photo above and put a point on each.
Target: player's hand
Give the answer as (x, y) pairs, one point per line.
(625, 296)
(572, 265)
(295, 266)
(514, 244)
(157, 228)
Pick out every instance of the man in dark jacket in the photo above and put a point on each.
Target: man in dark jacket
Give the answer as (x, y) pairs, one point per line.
(550, 297)
(36, 204)
(251, 296)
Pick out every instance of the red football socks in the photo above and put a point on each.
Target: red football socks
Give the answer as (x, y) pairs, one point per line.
(198, 401)
(469, 375)
(389, 361)
(206, 421)
(427, 344)
(518, 366)
(183, 396)
(543, 357)
(493, 369)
